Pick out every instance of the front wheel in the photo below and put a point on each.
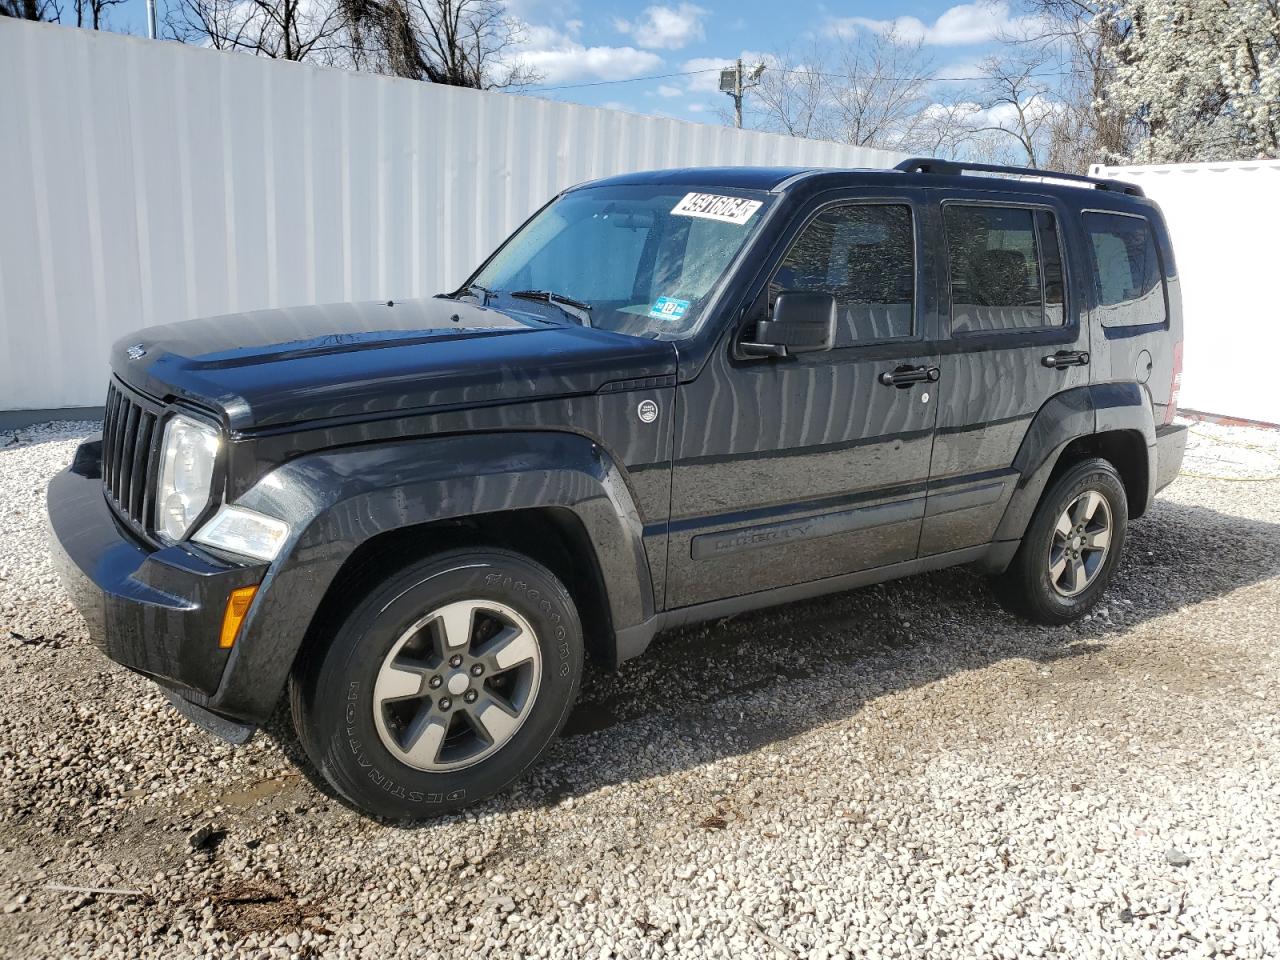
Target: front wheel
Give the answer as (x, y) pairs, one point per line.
(1071, 546)
(443, 685)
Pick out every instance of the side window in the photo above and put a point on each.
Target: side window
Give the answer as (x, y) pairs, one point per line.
(1126, 269)
(1006, 269)
(864, 255)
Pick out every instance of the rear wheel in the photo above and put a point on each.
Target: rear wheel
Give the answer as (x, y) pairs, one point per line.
(443, 685)
(1071, 546)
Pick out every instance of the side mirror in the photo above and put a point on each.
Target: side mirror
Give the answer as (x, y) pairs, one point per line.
(802, 322)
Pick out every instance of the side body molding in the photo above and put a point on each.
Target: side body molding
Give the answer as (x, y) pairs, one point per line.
(1067, 416)
(336, 500)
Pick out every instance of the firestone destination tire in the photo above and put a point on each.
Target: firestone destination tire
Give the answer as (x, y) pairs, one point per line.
(443, 685)
(1071, 546)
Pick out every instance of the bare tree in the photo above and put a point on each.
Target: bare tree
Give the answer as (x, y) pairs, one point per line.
(30, 9)
(88, 13)
(880, 100)
(462, 43)
(1018, 103)
(869, 90)
(280, 29)
(791, 96)
(946, 128)
(92, 13)
(1088, 127)
(466, 43)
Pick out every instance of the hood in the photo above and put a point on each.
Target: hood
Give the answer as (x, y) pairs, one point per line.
(270, 368)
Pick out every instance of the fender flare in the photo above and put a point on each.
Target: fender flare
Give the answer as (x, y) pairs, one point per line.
(336, 500)
(1128, 407)
(1065, 417)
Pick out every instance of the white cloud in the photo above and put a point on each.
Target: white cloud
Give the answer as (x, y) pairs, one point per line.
(1004, 115)
(961, 25)
(666, 90)
(559, 58)
(696, 107)
(665, 28)
(964, 71)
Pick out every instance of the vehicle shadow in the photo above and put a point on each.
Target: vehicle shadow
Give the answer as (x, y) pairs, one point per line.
(678, 705)
(13, 439)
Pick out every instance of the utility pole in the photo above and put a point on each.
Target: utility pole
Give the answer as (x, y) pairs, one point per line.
(737, 96)
(733, 84)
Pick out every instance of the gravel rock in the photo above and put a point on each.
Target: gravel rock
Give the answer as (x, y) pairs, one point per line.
(200, 836)
(902, 771)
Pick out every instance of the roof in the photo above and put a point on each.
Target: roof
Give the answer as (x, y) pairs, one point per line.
(915, 173)
(742, 178)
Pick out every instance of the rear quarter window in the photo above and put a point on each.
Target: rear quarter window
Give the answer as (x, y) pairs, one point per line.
(1127, 273)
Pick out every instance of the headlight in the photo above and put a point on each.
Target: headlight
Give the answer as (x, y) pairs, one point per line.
(186, 475)
(244, 531)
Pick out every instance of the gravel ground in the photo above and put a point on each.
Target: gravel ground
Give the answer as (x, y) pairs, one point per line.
(900, 771)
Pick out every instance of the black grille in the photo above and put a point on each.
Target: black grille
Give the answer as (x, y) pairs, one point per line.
(130, 447)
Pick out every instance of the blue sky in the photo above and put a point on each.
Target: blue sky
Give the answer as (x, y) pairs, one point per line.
(574, 43)
(583, 48)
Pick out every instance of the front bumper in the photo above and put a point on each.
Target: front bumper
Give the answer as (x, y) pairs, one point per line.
(157, 611)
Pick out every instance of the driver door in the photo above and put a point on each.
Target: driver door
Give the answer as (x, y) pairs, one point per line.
(801, 468)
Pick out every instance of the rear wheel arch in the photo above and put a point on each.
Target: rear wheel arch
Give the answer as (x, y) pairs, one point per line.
(1126, 450)
(1113, 421)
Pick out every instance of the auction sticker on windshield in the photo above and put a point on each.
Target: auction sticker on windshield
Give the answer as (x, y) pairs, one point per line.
(713, 206)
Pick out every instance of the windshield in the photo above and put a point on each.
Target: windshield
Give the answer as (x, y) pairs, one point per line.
(640, 260)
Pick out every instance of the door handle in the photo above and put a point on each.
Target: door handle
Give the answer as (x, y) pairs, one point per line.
(1066, 358)
(905, 376)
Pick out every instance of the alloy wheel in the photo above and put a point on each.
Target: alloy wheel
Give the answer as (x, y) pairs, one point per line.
(457, 685)
(1080, 544)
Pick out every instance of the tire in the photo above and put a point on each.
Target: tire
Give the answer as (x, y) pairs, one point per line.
(400, 754)
(1043, 581)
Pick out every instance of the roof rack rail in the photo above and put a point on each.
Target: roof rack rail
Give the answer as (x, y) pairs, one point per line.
(955, 168)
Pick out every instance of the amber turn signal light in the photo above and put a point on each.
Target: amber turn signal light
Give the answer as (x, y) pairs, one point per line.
(237, 607)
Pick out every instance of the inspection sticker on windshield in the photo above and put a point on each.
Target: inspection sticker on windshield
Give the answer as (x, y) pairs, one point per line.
(712, 206)
(669, 308)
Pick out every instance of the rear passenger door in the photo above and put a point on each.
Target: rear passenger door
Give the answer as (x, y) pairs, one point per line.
(1015, 339)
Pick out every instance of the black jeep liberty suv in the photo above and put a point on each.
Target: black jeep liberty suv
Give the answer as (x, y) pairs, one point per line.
(667, 397)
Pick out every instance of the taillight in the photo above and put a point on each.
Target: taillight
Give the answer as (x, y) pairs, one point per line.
(1175, 385)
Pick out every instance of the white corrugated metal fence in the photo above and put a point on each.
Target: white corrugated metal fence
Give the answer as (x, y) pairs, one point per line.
(144, 182)
(1222, 219)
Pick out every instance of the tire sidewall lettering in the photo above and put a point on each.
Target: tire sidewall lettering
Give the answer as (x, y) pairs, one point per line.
(548, 609)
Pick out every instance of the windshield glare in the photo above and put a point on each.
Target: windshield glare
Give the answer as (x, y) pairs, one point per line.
(646, 259)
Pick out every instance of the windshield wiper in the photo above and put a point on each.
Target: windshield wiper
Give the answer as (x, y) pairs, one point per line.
(566, 304)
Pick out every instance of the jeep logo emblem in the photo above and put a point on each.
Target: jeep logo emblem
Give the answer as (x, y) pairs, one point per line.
(647, 411)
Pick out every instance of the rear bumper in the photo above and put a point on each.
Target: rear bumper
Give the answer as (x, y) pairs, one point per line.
(157, 611)
(1171, 443)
